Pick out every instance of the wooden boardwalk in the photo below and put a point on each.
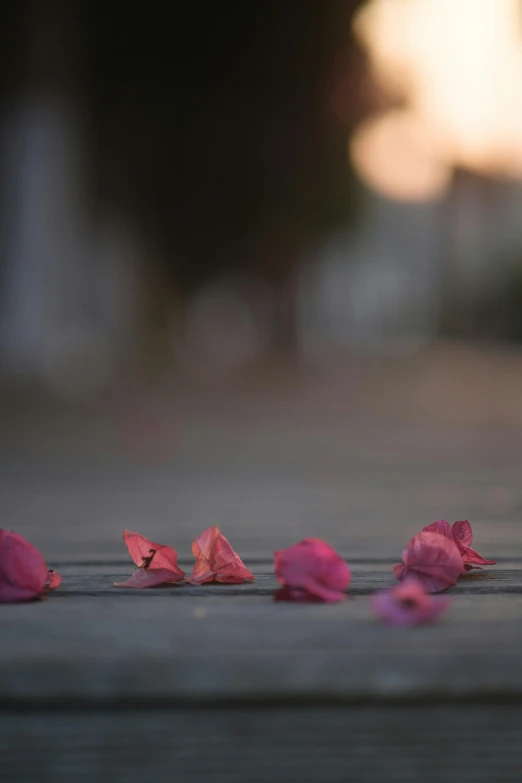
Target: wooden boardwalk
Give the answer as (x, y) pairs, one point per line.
(219, 682)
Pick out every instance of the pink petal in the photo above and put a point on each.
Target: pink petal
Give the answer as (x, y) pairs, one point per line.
(146, 554)
(149, 577)
(314, 566)
(473, 559)
(216, 560)
(202, 573)
(157, 563)
(441, 527)
(408, 604)
(298, 595)
(54, 579)
(400, 571)
(433, 559)
(23, 572)
(14, 594)
(462, 533)
(463, 538)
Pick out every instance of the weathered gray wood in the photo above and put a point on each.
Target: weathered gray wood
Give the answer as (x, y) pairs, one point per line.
(208, 647)
(366, 744)
(372, 516)
(365, 579)
(270, 465)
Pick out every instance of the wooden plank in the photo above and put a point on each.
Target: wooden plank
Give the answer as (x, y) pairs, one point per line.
(331, 745)
(71, 483)
(249, 689)
(366, 579)
(168, 647)
(83, 519)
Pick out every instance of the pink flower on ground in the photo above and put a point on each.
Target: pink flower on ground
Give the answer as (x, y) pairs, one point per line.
(462, 534)
(157, 563)
(23, 573)
(432, 558)
(54, 578)
(408, 604)
(216, 561)
(311, 571)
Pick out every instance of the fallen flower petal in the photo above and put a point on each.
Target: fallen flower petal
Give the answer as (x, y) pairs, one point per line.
(54, 580)
(441, 527)
(23, 573)
(298, 595)
(311, 571)
(147, 554)
(147, 577)
(434, 559)
(216, 560)
(408, 604)
(472, 559)
(462, 533)
(463, 536)
(157, 563)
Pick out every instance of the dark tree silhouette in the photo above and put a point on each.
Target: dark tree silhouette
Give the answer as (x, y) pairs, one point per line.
(222, 128)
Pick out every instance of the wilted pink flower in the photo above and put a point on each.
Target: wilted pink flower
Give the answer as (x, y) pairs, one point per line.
(23, 573)
(216, 561)
(462, 534)
(157, 563)
(311, 571)
(433, 558)
(441, 527)
(408, 604)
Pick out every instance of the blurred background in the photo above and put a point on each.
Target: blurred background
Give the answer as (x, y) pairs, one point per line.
(192, 195)
(283, 214)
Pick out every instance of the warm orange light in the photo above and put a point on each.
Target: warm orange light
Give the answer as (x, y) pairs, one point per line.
(396, 155)
(459, 65)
